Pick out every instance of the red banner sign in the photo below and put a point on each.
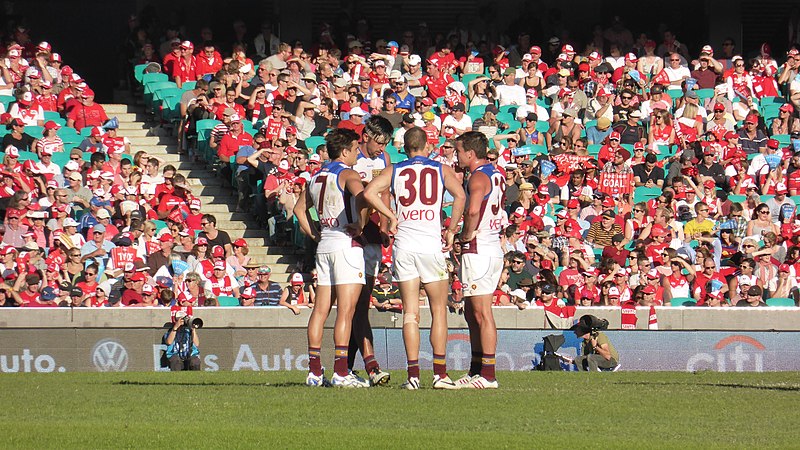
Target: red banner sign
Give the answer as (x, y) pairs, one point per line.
(615, 183)
(568, 163)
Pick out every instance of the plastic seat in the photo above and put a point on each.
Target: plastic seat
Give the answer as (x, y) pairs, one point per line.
(510, 109)
(7, 100)
(784, 139)
(643, 194)
(226, 300)
(780, 301)
(477, 109)
(542, 126)
(153, 77)
(772, 101)
(703, 94)
(312, 142)
(594, 149)
(160, 225)
(138, 72)
(61, 158)
(737, 198)
(683, 301)
(34, 130)
(24, 156)
(188, 85)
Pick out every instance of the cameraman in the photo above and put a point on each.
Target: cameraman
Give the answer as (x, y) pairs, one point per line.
(598, 351)
(182, 344)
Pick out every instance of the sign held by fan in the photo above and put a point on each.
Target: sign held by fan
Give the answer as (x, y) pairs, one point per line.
(615, 183)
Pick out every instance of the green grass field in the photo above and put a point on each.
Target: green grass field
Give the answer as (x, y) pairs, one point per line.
(531, 409)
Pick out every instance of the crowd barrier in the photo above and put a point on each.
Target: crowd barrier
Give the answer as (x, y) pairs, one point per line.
(262, 339)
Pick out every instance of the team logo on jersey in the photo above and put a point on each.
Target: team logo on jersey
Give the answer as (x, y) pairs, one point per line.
(474, 286)
(360, 275)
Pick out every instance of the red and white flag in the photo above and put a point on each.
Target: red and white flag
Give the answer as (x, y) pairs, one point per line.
(652, 324)
(628, 318)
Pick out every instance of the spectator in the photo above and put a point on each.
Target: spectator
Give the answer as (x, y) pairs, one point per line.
(268, 293)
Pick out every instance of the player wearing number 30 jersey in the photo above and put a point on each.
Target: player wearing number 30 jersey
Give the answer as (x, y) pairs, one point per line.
(418, 185)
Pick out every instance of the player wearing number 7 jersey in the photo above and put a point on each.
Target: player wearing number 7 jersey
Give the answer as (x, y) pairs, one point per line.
(481, 255)
(336, 192)
(417, 186)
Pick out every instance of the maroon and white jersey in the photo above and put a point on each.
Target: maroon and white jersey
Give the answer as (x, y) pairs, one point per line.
(418, 188)
(490, 223)
(335, 206)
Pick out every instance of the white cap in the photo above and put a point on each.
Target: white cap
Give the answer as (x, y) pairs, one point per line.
(357, 111)
(414, 60)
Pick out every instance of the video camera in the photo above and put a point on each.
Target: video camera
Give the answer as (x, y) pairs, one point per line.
(188, 321)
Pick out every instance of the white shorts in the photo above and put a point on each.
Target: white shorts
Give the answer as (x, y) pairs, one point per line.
(373, 255)
(341, 267)
(480, 274)
(429, 268)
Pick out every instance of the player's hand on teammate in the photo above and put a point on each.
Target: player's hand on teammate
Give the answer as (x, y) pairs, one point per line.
(352, 229)
(448, 239)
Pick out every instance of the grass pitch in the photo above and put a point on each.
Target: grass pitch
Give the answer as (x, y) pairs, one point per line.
(274, 410)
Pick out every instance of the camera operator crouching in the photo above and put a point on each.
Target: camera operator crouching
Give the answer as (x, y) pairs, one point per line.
(597, 350)
(182, 343)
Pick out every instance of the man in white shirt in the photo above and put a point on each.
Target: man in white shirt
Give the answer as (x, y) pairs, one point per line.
(510, 93)
(456, 123)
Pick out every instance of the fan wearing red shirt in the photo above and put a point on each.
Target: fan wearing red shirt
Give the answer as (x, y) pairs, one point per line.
(356, 121)
(702, 279)
(550, 304)
(178, 198)
(436, 81)
(47, 100)
(655, 249)
(87, 113)
(185, 68)
(233, 139)
(209, 61)
(230, 102)
(168, 66)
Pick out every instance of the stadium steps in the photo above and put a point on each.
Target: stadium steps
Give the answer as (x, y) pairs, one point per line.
(216, 199)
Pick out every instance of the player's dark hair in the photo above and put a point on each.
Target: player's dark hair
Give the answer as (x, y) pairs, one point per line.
(379, 129)
(474, 141)
(338, 140)
(414, 140)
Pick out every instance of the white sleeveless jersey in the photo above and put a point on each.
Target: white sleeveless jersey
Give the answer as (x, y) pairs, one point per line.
(369, 168)
(336, 208)
(418, 188)
(490, 223)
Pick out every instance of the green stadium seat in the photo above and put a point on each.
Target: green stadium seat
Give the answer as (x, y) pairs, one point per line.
(225, 300)
(510, 109)
(780, 301)
(703, 94)
(52, 115)
(189, 85)
(594, 149)
(153, 77)
(61, 158)
(737, 198)
(477, 109)
(784, 139)
(542, 126)
(24, 156)
(772, 101)
(312, 142)
(138, 72)
(643, 194)
(160, 225)
(34, 130)
(683, 301)
(7, 100)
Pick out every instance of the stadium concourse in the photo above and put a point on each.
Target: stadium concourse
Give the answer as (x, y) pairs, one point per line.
(637, 172)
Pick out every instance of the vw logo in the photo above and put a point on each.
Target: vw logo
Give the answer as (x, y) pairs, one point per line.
(110, 356)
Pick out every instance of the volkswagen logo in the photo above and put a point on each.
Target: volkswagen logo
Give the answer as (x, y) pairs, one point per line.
(110, 356)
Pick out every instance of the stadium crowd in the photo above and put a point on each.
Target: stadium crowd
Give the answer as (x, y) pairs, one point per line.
(636, 171)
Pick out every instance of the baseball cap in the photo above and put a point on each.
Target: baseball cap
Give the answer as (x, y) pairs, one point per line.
(751, 118)
(240, 243)
(249, 292)
(720, 107)
(166, 237)
(357, 111)
(219, 265)
(217, 251)
(264, 269)
(297, 279)
(614, 136)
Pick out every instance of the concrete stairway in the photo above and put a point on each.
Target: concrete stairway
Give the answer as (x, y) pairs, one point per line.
(216, 199)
